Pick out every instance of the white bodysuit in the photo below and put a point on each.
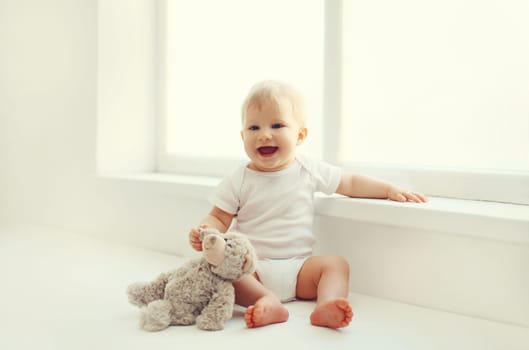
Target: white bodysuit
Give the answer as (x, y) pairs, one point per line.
(276, 209)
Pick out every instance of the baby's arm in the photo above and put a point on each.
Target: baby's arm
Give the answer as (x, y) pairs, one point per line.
(361, 186)
(217, 218)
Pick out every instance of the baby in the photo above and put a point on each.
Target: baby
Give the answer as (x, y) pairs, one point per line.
(270, 199)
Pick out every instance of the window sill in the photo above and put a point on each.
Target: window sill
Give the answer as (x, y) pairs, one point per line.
(492, 220)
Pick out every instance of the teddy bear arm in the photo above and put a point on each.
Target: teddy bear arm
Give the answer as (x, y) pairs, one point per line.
(219, 309)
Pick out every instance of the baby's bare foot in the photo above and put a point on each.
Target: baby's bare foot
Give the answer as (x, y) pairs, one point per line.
(333, 314)
(265, 311)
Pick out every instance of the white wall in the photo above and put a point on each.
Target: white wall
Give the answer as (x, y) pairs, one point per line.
(127, 85)
(48, 102)
(48, 108)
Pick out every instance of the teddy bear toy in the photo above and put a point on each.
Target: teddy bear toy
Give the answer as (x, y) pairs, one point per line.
(201, 290)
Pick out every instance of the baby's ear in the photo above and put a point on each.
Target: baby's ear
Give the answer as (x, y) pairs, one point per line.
(302, 135)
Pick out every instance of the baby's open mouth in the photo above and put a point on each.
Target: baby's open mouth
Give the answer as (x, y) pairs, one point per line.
(267, 150)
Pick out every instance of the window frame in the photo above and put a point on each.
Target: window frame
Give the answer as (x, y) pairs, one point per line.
(497, 186)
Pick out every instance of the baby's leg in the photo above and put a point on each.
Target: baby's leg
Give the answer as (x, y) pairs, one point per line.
(326, 278)
(263, 307)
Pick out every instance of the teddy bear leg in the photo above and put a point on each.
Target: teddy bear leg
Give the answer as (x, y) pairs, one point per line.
(156, 316)
(183, 314)
(141, 294)
(212, 319)
(218, 311)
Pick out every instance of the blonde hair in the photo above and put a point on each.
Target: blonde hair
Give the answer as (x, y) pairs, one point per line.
(283, 95)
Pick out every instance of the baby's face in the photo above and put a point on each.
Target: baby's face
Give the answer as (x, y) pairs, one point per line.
(270, 136)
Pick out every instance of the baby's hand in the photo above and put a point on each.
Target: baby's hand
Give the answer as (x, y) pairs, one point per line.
(400, 195)
(194, 238)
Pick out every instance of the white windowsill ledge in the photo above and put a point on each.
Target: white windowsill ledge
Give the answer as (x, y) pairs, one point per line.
(499, 221)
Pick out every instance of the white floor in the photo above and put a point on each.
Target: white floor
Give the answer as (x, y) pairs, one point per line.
(66, 291)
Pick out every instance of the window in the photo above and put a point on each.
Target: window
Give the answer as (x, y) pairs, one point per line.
(430, 95)
(215, 51)
(442, 84)
(435, 95)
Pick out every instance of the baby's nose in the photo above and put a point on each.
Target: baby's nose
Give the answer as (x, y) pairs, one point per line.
(264, 135)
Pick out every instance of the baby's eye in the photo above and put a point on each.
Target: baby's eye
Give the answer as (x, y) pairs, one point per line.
(277, 126)
(253, 127)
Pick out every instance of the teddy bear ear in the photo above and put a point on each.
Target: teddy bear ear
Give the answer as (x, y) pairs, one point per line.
(204, 231)
(248, 263)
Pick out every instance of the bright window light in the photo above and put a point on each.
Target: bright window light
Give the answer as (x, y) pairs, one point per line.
(216, 50)
(442, 84)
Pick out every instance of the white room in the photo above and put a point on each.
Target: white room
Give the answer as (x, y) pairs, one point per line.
(101, 178)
